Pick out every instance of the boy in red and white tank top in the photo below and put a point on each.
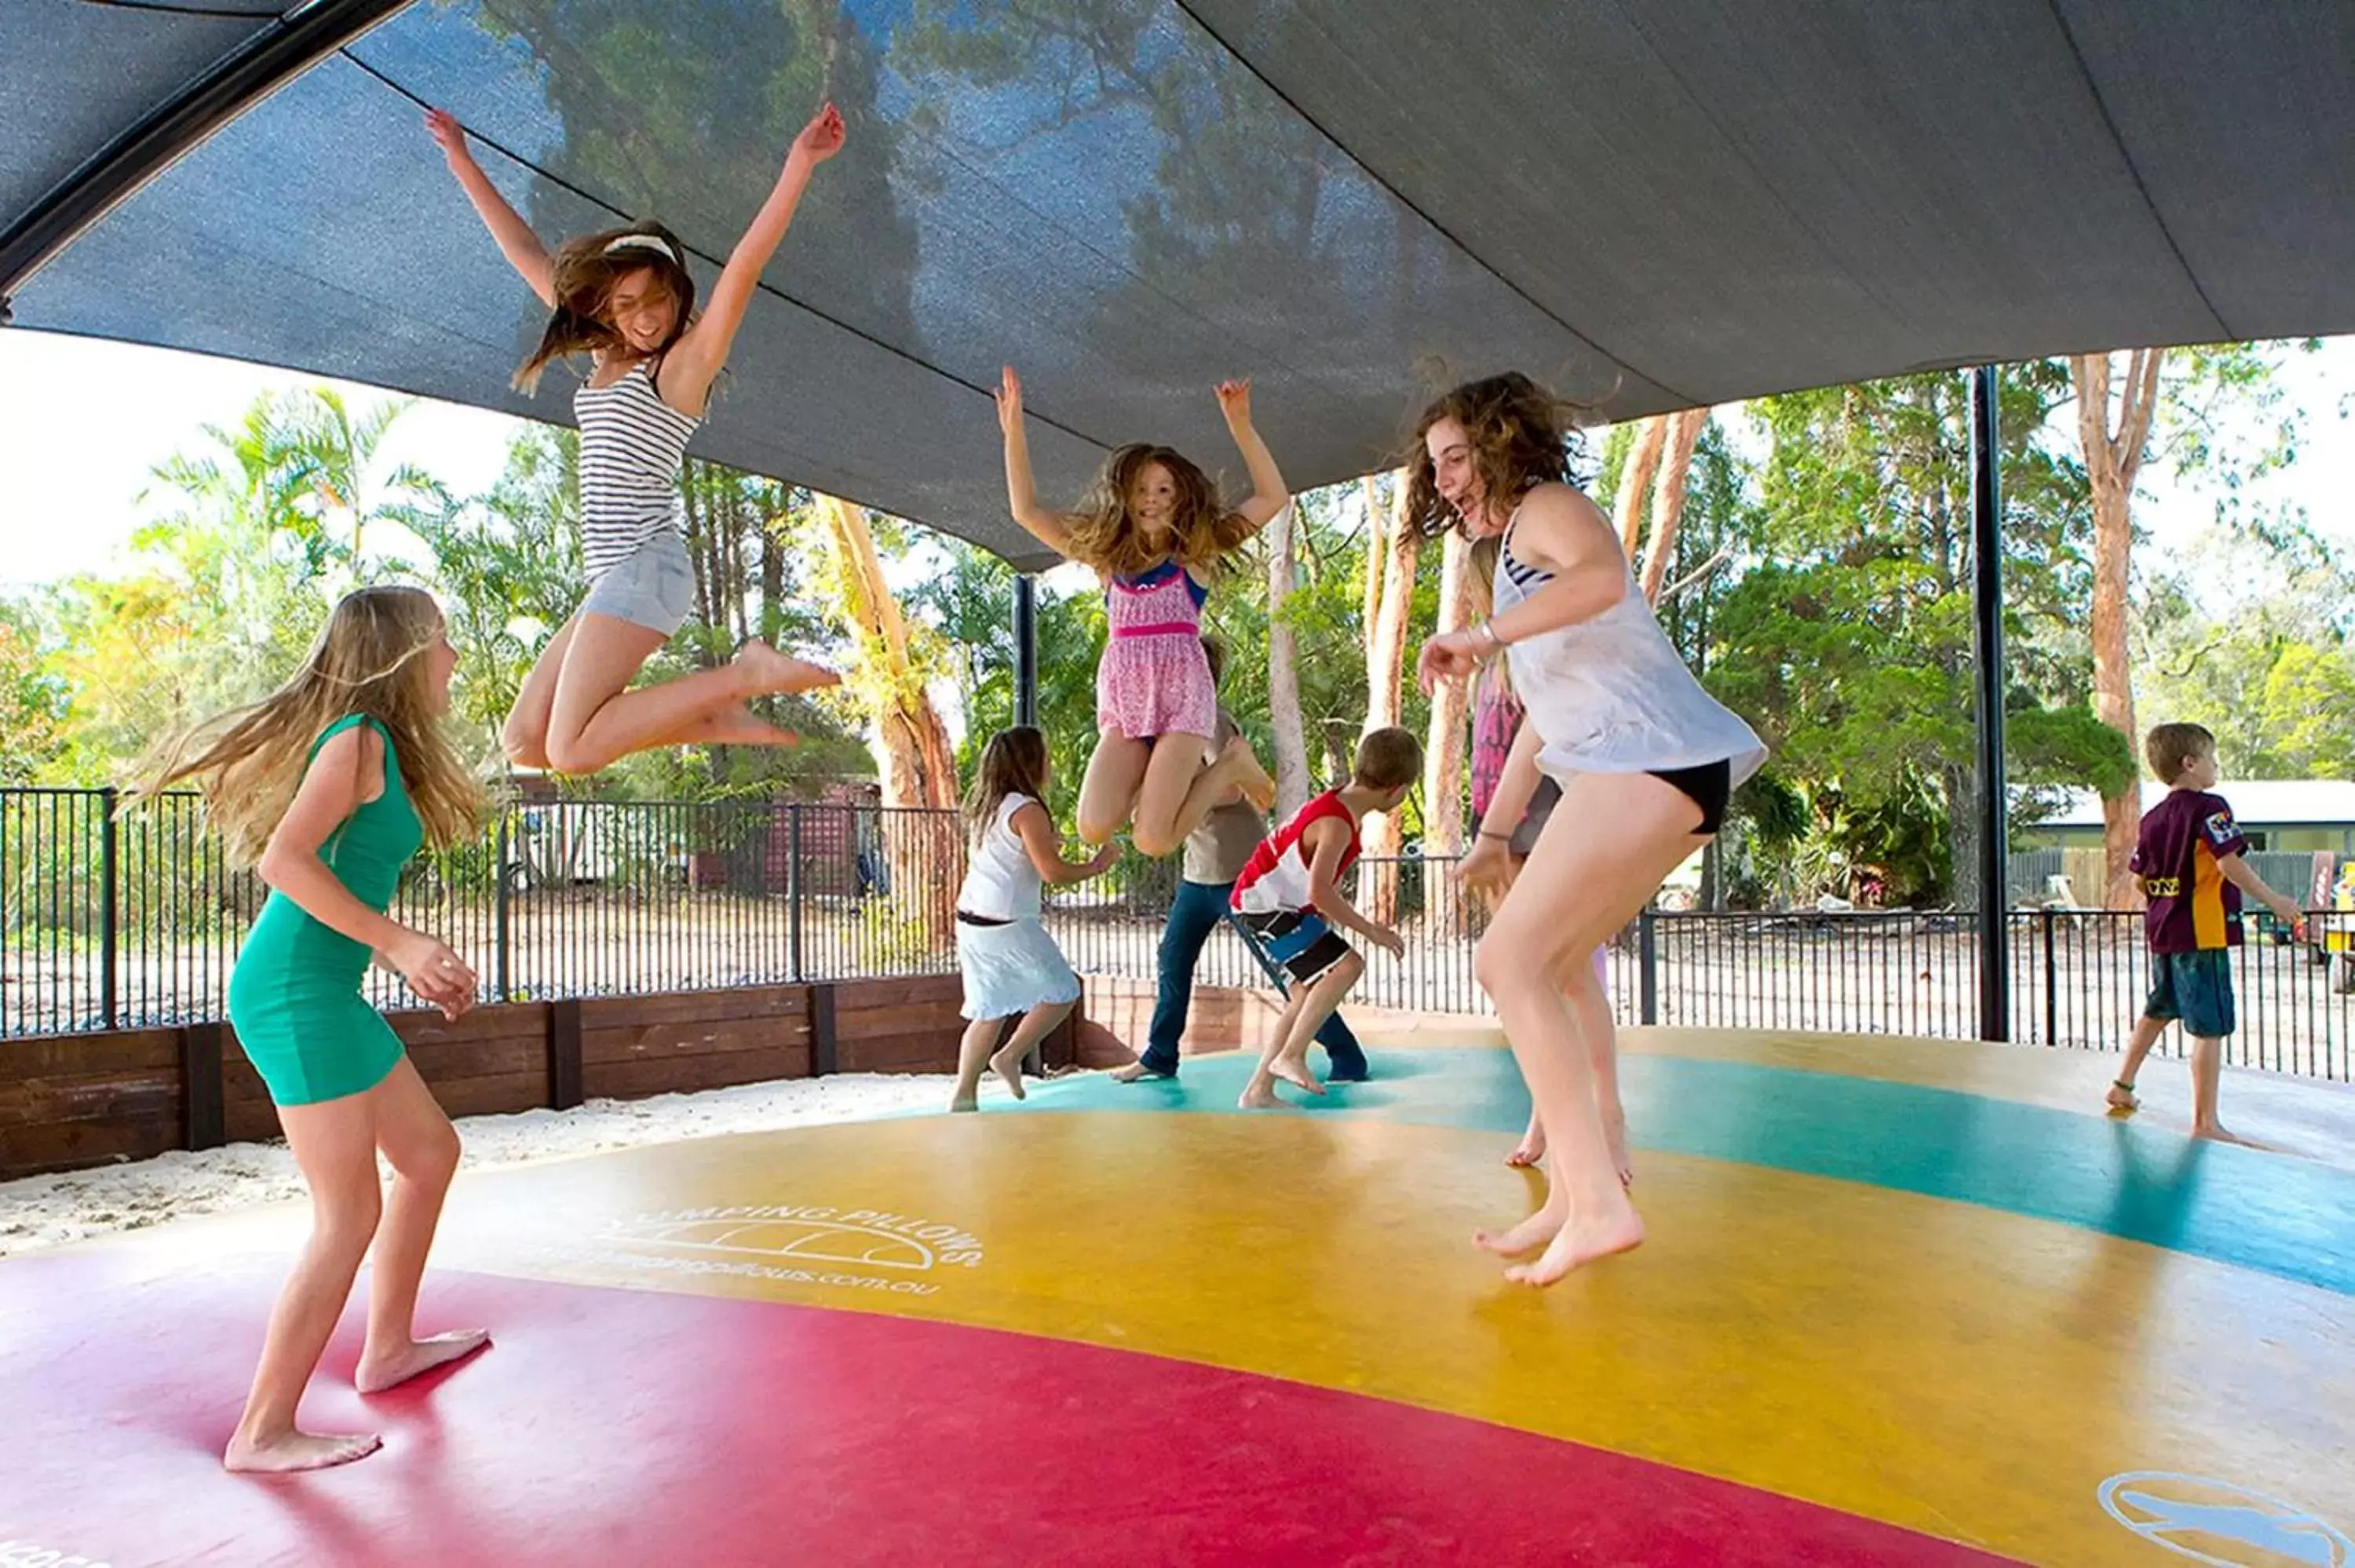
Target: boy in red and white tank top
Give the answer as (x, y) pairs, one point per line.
(1288, 896)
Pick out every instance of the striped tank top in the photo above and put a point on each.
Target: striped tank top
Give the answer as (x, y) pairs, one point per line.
(1610, 695)
(632, 443)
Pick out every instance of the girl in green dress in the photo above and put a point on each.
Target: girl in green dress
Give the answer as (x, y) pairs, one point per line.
(327, 787)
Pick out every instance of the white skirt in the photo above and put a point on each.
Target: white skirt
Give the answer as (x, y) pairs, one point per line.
(1012, 969)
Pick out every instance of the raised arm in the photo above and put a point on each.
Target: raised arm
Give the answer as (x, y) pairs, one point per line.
(1268, 495)
(1021, 493)
(1559, 532)
(1037, 831)
(692, 364)
(516, 242)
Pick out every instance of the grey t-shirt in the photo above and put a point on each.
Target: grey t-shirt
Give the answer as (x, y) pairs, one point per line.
(1216, 851)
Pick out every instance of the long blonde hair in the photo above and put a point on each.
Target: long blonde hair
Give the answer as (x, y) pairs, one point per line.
(368, 659)
(1481, 557)
(1202, 529)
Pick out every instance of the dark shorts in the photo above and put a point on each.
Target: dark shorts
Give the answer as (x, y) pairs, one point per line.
(1300, 940)
(2195, 989)
(1711, 786)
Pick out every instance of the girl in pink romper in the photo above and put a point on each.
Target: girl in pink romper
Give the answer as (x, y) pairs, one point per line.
(1154, 530)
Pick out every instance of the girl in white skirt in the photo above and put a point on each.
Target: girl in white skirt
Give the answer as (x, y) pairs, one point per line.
(1011, 966)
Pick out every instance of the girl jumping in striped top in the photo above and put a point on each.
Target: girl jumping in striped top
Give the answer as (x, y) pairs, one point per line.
(624, 297)
(1154, 528)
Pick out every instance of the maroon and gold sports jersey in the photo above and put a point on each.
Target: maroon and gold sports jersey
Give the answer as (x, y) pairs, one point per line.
(2191, 907)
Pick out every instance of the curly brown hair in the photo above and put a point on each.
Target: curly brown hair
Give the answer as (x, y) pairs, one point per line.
(585, 271)
(1521, 436)
(1203, 529)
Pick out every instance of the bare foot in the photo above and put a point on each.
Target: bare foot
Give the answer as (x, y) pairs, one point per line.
(1529, 1150)
(1249, 775)
(1010, 1069)
(1296, 1074)
(765, 669)
(1582, 1242)
(1259, 1094)
(1533, 1232)
(964, 1103)
(377, 1372)
(2121, 1098)
(1136, 1070)
(737, 725)
(296, 1451)
(2217, 1132)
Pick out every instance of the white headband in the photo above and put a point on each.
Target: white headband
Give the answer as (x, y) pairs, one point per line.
(641, 242)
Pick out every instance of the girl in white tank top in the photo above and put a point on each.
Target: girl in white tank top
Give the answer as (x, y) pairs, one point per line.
(1011, 966)
(1646, 759)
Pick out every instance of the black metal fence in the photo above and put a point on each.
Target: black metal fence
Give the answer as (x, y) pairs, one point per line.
(2078, 979)
(132, 921)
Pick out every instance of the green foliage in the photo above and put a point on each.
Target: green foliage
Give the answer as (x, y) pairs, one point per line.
(34, 701)
(2262, 657)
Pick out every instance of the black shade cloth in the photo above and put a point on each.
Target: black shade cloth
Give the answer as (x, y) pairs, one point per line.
(1650, 204)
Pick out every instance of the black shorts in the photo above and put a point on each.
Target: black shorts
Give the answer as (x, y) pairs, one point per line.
(1300, 940)
(1711, 786)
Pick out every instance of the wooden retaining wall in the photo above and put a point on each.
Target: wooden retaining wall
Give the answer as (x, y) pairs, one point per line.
(74, 1100)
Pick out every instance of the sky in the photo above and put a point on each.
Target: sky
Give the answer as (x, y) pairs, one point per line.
(84, 422)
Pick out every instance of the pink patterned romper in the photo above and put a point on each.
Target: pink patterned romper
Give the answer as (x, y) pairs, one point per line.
(1155, 679)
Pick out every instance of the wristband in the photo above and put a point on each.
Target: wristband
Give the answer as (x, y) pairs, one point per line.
(1491, 834)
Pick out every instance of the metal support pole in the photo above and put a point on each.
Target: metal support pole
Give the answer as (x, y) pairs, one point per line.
(110, 915)
(794, 877)
(1647, 955)
(503, 912)
(1986, 604)
(1026, 649)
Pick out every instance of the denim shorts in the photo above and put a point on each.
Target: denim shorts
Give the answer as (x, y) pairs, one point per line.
(2195, 988)
(652, 586)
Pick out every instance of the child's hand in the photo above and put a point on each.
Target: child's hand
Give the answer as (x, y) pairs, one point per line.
(821, 139)
(1489, 867)
(449, 136)
(1009, 401)
(1105, 859)
(433, 972)
(1387, 938)
(1235, 400)
(1449, 656)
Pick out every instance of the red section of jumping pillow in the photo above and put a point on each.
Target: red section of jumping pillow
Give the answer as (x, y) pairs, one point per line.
(616, 1426)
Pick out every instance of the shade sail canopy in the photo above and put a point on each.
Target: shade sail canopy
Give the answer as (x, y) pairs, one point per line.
(1650, 205)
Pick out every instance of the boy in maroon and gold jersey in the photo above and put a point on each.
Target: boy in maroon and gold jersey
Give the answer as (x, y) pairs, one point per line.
(2189, 858)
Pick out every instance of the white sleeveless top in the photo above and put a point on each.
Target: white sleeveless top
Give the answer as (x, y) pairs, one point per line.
(632, 444)
(1610, 695)
(1000, 882)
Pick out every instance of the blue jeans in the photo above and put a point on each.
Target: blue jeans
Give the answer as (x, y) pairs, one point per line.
(1194, 914)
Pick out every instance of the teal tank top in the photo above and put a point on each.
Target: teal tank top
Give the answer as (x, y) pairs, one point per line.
(366, 854)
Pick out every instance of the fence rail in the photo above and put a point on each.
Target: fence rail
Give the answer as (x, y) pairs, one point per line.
(135, 921)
